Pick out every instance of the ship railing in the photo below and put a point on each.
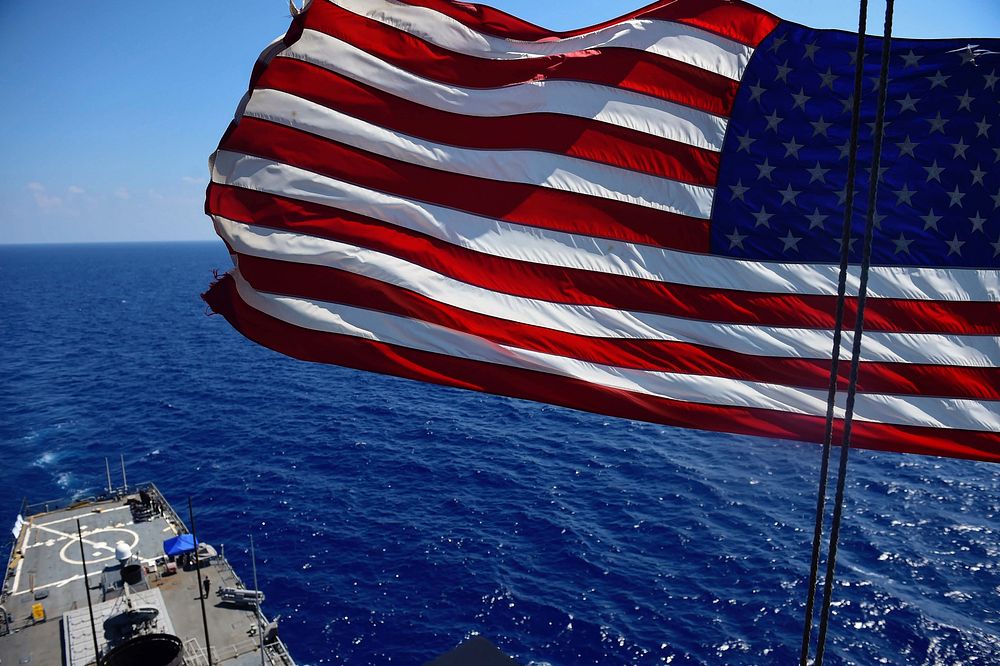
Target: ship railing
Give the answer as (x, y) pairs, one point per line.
(48, 506)
(5, 586)
(103, 495)
(196, 655)
(6, 575)
(168, 509)
(94, 495)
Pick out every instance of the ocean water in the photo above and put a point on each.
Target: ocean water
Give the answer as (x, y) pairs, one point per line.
(393, 519)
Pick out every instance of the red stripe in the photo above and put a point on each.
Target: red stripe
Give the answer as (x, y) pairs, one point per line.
(451, 371)
(630, 69)
(736, 20)
(567, 285)
(336, 286)
(515, 202)
(553, 133)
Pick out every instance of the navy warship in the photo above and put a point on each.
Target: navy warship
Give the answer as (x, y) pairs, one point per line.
(117, 578)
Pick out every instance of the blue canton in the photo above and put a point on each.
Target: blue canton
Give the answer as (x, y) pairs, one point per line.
(782, 178)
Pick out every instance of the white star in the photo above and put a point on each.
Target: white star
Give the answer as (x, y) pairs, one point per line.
(738, 190)
(871, 126)
(931, 220)
(996, 199)
(977, 222)
(956, 197)
(955, 246)
(818, 173)
(828, 78)
(820, 126)
(968, 54)
(848, 103)
(783, 71)
(756, 91)
(996, 248)
(816, 219)
(762, 218)
(996, 151)
(964, 101)
(850, 244)
(977, 175)
(736, 239)
(905, 194)
(842, 195)
(991, 80)
(745, 142)
(934, 172)
(984, 127)
(906, 147)
(881, 172)
(960, 148)
(800, 99)
(845, 149)
(939, 79)
(811, 49)
(907, 103)
(902, 244)
(911, 59)
(777, 43)
(938, 123)
(788, 195)
(773, 120)
(764, 170)
(792, 148)
(791, 242)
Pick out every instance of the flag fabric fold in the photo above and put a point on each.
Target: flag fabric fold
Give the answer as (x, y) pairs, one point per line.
(640, 218)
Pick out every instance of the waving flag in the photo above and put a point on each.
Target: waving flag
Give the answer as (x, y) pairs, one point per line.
(641, 218)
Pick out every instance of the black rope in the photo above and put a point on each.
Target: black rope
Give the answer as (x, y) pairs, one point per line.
(845, 253)
(859, 323)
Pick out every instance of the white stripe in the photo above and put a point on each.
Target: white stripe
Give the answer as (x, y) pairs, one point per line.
(17, 572)
(554, 248)
(673, 40)
(602, 322)
(414, 334)
(557, 172)
(606, 104)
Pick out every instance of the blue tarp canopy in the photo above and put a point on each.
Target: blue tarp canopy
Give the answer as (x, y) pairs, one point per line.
(179, 545)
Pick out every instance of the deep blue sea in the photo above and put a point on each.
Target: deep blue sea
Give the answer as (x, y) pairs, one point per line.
(393, 519)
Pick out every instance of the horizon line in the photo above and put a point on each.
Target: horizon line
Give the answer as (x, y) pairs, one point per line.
(107, 242)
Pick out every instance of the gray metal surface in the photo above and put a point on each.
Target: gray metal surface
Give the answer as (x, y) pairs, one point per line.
(78, 639)
(45, 568)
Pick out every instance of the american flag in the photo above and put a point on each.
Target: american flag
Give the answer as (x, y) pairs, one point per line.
(641, 218)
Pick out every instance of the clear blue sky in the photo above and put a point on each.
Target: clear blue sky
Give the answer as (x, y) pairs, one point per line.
(111, 108)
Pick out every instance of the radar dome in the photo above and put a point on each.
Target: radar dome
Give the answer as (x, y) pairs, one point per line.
(123, 551)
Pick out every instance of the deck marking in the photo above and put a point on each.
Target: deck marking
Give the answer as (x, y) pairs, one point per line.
(82, 516)
(17, 575)
(58, 583)
(98, 546)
